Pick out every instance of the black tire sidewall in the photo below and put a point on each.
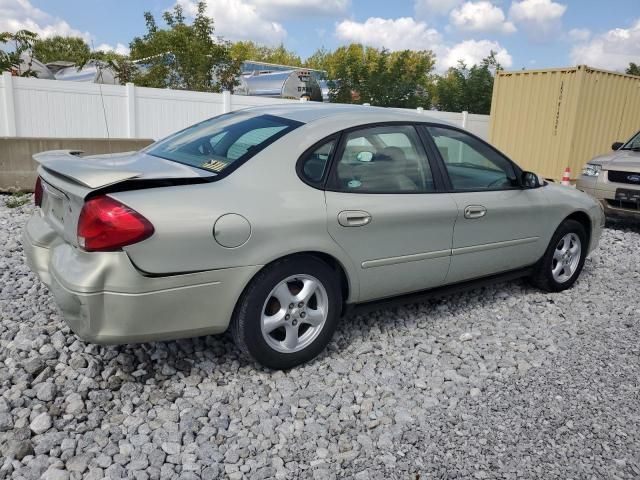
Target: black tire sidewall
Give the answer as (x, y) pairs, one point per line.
(249, 311)
(568, 226)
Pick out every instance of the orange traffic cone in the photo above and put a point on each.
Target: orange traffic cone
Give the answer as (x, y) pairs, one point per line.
(566, 176)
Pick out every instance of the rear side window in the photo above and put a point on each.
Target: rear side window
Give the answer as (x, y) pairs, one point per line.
(222, 143)
(314, 164)
(383, 159)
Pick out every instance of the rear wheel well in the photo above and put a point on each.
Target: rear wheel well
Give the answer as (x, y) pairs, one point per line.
(338, 268)
(331, 261)
(584, 220)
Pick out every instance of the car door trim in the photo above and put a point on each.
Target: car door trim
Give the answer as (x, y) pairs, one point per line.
(415, 257)
(494, 245)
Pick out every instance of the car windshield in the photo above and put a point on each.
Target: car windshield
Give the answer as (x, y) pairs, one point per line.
(224, 142)
(633, 144)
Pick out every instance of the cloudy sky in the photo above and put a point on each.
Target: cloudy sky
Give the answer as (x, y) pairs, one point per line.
(524, 33)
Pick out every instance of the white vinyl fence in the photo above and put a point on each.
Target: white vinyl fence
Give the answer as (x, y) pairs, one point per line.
(32, 107)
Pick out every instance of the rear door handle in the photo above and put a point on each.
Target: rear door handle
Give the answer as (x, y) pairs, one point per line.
(354, 218)
(475, 211)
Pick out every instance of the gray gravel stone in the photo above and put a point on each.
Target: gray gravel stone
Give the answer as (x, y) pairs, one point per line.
(55, 474)
(78, 463)
(6, 421)
(500, 382)
(45, 391)
(34, 365)
(41, 423)
(18, 449)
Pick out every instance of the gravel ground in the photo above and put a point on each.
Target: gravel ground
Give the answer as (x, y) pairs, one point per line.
(500, 382)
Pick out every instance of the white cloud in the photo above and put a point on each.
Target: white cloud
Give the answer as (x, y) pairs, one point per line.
(20, 14)
(120, 48)
(277, 9)
(579, 34)
(480, 16)
(429, 8)
(612, 50)
(471, 52)
(399, 34)
(238, 20)
(538, 17)
(407, 33)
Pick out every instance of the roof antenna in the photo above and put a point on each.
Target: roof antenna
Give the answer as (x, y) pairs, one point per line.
(104, 110)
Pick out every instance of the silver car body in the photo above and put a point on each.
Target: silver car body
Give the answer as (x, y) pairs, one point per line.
(617, 185)
(183, 282)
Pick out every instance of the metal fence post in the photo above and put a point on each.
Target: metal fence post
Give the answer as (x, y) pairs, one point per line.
(226, 101)
(465, 118)
(9, 106)
(131, 110)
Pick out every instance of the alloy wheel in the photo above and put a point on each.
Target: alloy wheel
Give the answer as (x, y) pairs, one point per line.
(294, 313)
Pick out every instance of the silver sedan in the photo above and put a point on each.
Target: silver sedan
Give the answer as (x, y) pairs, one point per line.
(275, 221)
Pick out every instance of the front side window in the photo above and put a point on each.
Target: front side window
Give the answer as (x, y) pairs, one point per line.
(385, 159)
(221, 142)
(633, 144)
(470, 163)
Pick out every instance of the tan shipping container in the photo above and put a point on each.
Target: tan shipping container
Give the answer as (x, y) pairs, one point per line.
(546, 120)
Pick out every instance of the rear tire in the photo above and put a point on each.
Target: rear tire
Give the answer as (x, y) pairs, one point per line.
(288, 313)
(562, 263)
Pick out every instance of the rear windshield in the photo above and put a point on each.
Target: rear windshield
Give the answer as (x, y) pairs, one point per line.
(222, 143)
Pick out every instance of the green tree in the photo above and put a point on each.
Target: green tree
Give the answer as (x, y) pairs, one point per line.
(318, 60)
(183, 56)
(462, 88)
(19, 59)
(58, 48)
(361, 74)
(634, 69)
(248, 50)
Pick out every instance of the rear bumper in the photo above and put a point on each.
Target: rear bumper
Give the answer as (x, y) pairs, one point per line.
(105, 299)
(605, 193)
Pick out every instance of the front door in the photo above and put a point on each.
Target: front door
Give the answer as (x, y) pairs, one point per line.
(499, 223)
(383, 210)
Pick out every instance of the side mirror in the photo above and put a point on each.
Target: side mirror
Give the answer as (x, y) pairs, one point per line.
(530, 180)
(364, 156)
(616, 145)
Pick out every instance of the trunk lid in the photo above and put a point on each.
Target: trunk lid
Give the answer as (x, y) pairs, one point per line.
(68, 178)
(97, 171)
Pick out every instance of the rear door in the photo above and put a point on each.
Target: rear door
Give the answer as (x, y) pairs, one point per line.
(499, 223)
(384, 210)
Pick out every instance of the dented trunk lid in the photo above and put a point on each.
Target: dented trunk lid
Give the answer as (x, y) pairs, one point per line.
(68, 177)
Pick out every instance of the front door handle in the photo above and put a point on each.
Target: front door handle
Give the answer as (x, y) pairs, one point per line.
(354, 218)
(475, 211)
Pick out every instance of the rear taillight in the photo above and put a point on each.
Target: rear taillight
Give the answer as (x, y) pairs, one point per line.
(106, 225)
(37, 192)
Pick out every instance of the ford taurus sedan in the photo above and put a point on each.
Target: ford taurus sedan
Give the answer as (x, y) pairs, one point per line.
(614, 179)
(275, 221)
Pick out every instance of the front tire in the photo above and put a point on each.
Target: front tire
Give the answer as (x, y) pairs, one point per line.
(562, 263)
(288, 313)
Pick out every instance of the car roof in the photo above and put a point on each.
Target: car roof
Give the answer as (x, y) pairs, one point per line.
(309, 112)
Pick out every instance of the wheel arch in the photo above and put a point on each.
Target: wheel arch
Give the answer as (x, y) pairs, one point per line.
(583, 219)
(347, 285)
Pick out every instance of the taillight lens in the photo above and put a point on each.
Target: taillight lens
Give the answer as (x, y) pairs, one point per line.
(37, 192)
(106, 225)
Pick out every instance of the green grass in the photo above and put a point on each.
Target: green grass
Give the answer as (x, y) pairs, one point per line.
(17, 200)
